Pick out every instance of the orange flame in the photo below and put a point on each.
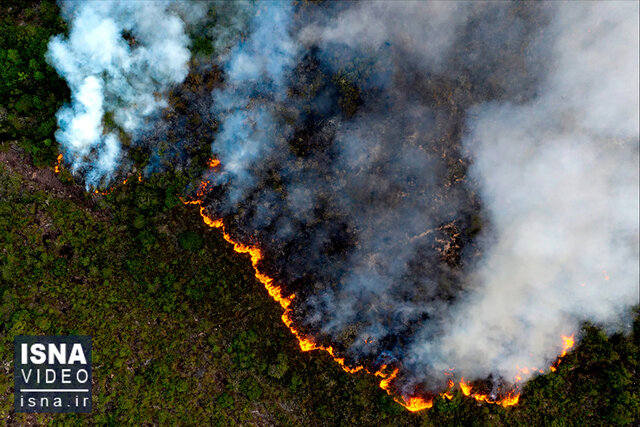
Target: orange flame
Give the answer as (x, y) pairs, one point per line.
(511, 398)
(466, 388)
(413, 404)
(448, 394)
(567, 343)
(417, 403)
(212, 163)
(59, 159)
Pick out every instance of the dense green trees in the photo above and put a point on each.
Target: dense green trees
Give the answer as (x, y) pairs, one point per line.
(30, 90)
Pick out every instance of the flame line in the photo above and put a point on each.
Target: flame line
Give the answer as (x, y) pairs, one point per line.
(412, 403)
(415, 403)
(58, 164)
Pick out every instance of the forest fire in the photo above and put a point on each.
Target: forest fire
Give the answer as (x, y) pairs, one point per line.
(423, 194)
(58, 167)
(568, 343)
(413, 403)
(511, 398)
(58, 164)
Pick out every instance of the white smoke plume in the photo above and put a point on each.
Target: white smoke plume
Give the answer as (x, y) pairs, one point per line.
(255, 69)
(109, 74)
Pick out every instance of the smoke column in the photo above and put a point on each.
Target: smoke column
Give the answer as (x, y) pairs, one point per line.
(444, 186)
(255, 70)
(559, 177)
(108, 74)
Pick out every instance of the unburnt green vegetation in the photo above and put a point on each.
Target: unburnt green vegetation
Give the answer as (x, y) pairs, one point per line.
(30, 90)
(183, 334)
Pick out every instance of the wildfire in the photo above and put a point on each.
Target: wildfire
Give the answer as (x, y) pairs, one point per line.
(567, 343)
(59, 159)
(110, 189)
(447, 394)
(510, 400)
(412, 403)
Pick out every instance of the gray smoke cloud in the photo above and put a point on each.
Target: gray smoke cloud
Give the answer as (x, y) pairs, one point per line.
(559, 177)
(109, 74)
(256, 72)
(442, 185)
(551, 133)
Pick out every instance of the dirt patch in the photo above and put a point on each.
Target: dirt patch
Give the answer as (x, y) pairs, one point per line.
(43, 178)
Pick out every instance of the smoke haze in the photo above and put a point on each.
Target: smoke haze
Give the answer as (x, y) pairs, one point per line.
(442, 185)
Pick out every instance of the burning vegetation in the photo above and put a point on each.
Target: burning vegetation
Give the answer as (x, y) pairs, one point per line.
(388, 374)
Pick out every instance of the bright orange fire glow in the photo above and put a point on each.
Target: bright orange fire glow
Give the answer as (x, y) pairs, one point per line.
(417, 403)
(110, 189)
(212, 163)
(413, 403)
(510, 400)
(466, 388)
(567, 343)
(447, 394)
(56, 168)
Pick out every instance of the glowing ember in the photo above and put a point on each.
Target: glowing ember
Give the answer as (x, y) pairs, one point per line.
(110, 189)
(510, 400)
(466, 388)
(59, 159)
(568, 342)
